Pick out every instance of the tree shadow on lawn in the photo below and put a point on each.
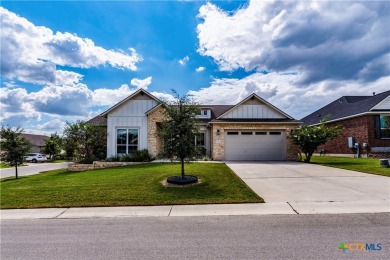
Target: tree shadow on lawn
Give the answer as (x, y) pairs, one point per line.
(13, 178)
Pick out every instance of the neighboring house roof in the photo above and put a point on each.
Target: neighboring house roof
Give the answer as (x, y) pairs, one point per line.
(36, 140)
(348, 106)
(98, 120)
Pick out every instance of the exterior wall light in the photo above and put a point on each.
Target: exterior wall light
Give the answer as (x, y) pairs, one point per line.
(218, 132)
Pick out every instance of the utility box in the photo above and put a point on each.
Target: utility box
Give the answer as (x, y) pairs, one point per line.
(351, 142)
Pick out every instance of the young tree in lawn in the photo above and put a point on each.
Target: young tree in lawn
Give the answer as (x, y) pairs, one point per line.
(308, 138)
(53, 145)
(13, 146)
(179, 129)
(89, 141)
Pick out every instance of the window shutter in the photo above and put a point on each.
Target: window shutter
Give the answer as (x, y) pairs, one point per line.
(378, 127)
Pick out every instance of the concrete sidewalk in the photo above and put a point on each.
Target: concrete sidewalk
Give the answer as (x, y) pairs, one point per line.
(279, 208)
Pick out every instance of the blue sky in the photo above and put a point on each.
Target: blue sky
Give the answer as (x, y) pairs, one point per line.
(63, 61)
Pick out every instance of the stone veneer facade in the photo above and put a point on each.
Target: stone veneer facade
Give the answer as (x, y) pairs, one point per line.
(217, 141)
(154, 142)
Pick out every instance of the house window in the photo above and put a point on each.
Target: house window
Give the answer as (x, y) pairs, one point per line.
(232, 133)
(246, 133)
(199, 140)
(204, 113)
(384, 126)
(126, 140)
(261, 133)
(200, 143)
(275, 133)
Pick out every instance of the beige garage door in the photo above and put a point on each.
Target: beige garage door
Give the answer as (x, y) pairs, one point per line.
(255, 145)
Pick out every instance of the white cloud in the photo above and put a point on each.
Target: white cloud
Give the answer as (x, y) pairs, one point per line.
(184, 60)
(141, 83)
(109, 97)
(321, 39)
(280, 90)
(199, 69)
(55, 125)
(64, 77)
(165, 97)
(30, 53)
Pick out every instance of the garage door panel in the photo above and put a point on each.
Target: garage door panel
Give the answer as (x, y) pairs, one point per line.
(255, 147)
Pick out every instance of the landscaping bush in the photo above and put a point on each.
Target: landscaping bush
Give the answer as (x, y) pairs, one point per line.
(125, 158)
(141, 156)
(116, 158)
(135, 156)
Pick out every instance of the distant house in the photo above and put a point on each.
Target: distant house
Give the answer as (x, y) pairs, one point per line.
(253, 129)
(364, 118)
(37, 141)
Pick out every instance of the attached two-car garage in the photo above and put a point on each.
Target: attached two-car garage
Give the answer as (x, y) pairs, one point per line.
(256, 145)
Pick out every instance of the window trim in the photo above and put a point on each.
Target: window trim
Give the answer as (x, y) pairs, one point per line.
(127, 144)
(382, 129)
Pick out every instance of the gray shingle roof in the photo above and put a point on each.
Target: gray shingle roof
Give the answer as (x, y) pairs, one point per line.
(35, 140)
(344, 107)
(98, 120)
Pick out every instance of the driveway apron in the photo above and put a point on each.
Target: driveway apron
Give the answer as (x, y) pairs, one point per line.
(295, 182)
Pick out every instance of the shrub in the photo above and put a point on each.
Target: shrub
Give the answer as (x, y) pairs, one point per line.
(115, 158)
(135, 156)
(125, 158)
(141, 156)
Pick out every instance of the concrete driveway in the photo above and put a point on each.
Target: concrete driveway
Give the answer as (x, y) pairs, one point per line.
(313, 185)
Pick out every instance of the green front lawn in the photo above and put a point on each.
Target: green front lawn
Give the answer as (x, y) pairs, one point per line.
(125, 186)
(367, 165)
(4, 165)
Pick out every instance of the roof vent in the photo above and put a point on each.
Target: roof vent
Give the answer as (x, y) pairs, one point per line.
(319, 115)
(341, 100)
(373, 93)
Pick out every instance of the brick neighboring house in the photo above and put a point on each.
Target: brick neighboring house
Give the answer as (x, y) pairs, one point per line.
(250, 130)
(37, 141)
(365, 118)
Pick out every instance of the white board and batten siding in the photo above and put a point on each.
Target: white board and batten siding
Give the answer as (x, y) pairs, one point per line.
(129, 115)
(253, 111)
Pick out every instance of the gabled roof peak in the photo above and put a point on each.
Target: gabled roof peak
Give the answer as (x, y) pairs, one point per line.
(139, 91)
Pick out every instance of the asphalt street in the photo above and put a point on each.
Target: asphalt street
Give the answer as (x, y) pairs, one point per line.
(32, 168)
(212, 237)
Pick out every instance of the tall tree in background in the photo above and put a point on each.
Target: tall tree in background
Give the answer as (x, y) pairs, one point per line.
(179, 129)
(89, 141)
(308, 138)
(53, 145)
(13, 147)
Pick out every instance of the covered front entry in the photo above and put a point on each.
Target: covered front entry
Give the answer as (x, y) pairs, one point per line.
(255, 145)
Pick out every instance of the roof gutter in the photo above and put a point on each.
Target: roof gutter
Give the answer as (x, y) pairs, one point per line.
(267, 123)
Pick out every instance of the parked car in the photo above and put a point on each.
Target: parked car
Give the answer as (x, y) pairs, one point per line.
(35, 157)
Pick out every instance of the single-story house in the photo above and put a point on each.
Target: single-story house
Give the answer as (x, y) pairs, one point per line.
(366, 124)
(37, 141)
(253, 129)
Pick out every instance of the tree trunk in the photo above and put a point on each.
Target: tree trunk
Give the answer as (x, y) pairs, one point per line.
(182, 168)
(308, 157)
(16, 170)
